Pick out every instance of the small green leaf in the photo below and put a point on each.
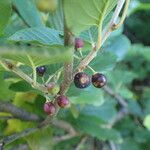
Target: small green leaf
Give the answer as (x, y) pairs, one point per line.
(21, 86)
(28, 12)
(5, 13)
(40, 35)
(39, 56)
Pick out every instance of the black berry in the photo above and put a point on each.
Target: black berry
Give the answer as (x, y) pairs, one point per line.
(63, 101)
(99, 80)
(41, 70)
(79, 43)
(49, 108)
(82, 80)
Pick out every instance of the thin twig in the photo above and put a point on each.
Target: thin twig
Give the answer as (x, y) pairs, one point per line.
(64, 137)
(113, 20)
(123, 15)
(120, 115)
(112, 145)
(83, 140)
(65, 126)
(7, 117)
(93, 53)
(11, 67)
(120, 100)
(18, 112)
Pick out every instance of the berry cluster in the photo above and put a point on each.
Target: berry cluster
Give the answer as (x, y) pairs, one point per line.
(53, 89)
(82, 80)
(50, 108)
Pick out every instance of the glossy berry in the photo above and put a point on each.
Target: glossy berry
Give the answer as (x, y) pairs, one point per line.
(53, 88)
(41, 70)
(82, 80)
(63, 101)
(99, 80)
(79, 43)
(49, 108)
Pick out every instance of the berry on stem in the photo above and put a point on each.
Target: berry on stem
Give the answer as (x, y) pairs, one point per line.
(53, 88)
(98, 80)
(40, 70)
(79, 43)
(82, 80)
(49, 108)
(62, 101)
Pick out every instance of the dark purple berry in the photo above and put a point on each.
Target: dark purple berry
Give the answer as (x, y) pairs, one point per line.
(41, 70)
(82, 80)
(99, 80)
(79, 43)
(63, 101)
(49, 108)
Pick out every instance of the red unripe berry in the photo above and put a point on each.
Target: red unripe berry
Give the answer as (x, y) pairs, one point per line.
(79, 43)
(63, 101)
(53, 88)
(49, 108)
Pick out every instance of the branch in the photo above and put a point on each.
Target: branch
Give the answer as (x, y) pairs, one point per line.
(83, 140)
(122, 102)
(123, 16)
(64, 125)
(113, 20)
(57, 123)
(68, 67)
(13, 137)
(18, 112)
(120, 115)
(112, 145)
(64, 137)
(11, 67)
(84, 63)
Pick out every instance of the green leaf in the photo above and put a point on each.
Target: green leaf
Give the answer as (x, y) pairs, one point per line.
(56, 18)
(105, 112)
(21, 86)
(38, 56)
(5, 13)
(5, 93)
(90, 35)
(89, 95)
(82, 14)
(104, 61)
(118, 45)
(90, 125)
(41, 139)
(28, 12)
(40, 35)
(147, 121)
